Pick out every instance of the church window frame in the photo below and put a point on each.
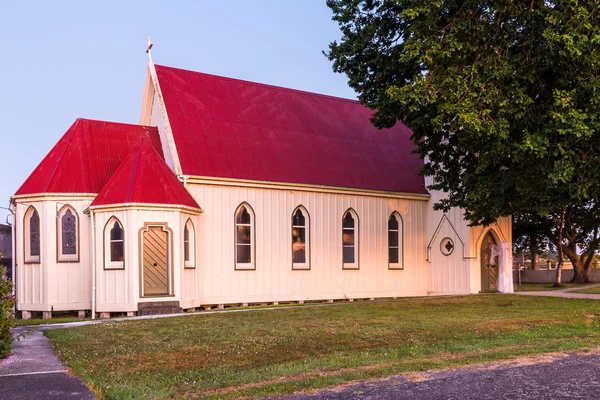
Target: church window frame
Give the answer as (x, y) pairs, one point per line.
(112, 243)
(32, 233)
(67, 235)
(395, 241)
(350, 240)
(244, 227)
(189, 244)
(299, 226)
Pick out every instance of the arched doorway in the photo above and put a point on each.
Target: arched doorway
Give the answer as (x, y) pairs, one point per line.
(489, 264)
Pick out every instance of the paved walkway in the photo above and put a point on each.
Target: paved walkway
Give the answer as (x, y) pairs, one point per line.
(33, 371)
(549, 377)
(566, 293)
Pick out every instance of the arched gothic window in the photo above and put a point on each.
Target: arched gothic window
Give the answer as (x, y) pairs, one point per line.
(350, 240)
(32, 236)
(114, 247)
(300, 239)
(395, 238)
(189, 245)
(67, 235)
(244, 237)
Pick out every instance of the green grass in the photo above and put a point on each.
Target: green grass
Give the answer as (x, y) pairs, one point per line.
(271, 352)
(594, 290)
(58, 317)
(39, 321)
(538, 287)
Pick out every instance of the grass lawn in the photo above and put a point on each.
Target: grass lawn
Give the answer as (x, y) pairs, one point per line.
(39, 321)
(595, 290)
(538, 287)
(270, 352)
(59, 317)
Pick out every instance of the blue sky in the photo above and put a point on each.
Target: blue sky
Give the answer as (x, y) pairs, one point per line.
(70, 59)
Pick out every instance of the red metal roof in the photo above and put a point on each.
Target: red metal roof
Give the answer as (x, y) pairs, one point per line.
(86, 157)
(230, 128)
(144, 177)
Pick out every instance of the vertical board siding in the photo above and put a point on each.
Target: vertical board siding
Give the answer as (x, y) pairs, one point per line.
(274, 279)
(50, 285)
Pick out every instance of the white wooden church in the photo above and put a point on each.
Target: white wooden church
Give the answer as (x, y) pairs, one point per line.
(234, 192)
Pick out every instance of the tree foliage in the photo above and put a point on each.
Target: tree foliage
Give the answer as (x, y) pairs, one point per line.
(503, 98)
(7, 302)
(529, 236)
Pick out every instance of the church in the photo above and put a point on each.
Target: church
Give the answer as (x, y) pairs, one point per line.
(231, 192)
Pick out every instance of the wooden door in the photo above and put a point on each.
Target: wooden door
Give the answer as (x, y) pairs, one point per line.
(156, 262)
(489, 265)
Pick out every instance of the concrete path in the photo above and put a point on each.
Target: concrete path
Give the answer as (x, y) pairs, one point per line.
(566, 293)
(554, 376)
(33, 371)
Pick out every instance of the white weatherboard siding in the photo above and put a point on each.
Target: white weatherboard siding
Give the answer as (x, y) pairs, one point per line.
(52, 285)
(118, 290)
(273, 279)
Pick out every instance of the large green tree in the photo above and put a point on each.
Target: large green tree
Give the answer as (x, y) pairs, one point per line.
(503, 98)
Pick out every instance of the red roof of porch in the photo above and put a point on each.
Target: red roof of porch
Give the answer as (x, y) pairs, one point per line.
(145, 178)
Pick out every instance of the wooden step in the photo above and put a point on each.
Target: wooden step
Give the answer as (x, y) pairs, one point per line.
(159, 308)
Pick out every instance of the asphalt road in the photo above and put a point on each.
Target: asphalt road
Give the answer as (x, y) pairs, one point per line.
(572, 376)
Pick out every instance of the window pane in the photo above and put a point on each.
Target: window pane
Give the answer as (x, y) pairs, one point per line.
(69, 243)
(34, 234)
(298, 219)
(348, 255)
(348, 221)
(116, 233)
(243, 235)
(302, 235)
(116, 251)
(394, 255)
(186, 250)
(186, 233)
(393, 238)
(299, 235)
(242, 216)
(348, 237)
(393, 223)
(299, 254)
(243, 254)
(34, 246)
(69, 233)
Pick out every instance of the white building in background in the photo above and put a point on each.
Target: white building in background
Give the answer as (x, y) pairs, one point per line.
(233, 192)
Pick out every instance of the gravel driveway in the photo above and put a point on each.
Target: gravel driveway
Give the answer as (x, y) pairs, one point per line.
(555, 376)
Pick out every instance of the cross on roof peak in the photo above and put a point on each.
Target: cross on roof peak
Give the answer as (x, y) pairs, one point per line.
(150, 44)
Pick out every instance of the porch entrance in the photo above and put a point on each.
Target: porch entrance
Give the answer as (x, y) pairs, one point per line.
(156, 262)
(489, 264)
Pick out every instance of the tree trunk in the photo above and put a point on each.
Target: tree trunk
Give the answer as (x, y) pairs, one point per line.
(533, 253)
(559, 266)
(558, 274)
(580, 275)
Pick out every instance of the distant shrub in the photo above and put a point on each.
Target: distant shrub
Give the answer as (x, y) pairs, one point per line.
(7, 303)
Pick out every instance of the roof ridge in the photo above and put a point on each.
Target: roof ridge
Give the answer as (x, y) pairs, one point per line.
(112, 122)
(137, 154)
(131, 179)
(263, 84)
